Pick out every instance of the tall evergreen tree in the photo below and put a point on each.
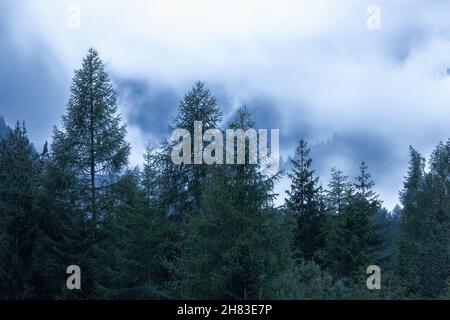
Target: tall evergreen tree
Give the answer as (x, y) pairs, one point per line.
(433, 241)
(366, 234)
(304, 201)
(92, 140)
(438, 241)
(237, 246)
(354, 240)
(423, 255)
(89, 153)
(337, 191)
(198, 105)
(410, 224)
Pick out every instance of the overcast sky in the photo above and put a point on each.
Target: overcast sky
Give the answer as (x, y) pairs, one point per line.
(311, 68)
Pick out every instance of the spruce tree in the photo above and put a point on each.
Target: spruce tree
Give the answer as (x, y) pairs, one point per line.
(336, 192)
(354, 238)
(305, 203)
(410, 223)
(434, 246)
(198, 105)
(237, 246)
(439, 223)
(423, 249)
(366, 240)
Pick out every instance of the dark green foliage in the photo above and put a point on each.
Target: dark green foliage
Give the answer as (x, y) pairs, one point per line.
(19, 172)
(306, 281)
(423, 256)
(305, 203)
(92, 143)
(338, 189)
(167, 231)
(130, 264)
(353, 237)
(87, 157)
(198, 105)
(235, 246)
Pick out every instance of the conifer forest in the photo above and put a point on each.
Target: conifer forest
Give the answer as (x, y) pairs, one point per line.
(166, 231)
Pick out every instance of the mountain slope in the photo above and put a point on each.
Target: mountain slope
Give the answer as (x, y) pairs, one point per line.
(4, 129)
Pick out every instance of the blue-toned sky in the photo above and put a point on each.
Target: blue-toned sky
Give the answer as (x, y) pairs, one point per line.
(310, 68)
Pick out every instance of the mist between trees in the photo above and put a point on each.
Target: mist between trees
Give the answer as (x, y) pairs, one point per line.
(209, 147)
(169, 231)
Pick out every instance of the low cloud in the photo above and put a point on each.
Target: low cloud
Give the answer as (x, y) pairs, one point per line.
(312, 70)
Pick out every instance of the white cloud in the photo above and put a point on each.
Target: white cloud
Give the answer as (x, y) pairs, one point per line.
(316, 59)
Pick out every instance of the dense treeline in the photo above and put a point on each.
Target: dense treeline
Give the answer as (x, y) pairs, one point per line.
(166, 231)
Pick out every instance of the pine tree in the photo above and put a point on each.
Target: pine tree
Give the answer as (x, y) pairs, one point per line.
(438, 223)
(354, 239)
(92, 141)
(423, 255)
(367, 239)
(364, 187)
(237, 246)
(88, 155)
(337, 191)
(339, 197)
(434, 245)
(410, 224)
(304, 201)
(198, 105)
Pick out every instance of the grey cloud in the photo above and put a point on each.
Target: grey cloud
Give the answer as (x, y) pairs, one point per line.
(32, 89)
(403, 42)
(265, 112)
(347, 150)
(378, 152)
(151, 106)
(308, 77)
(147, 105)
(386, 160)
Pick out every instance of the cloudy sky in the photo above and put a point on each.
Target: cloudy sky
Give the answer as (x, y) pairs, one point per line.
(311, 68)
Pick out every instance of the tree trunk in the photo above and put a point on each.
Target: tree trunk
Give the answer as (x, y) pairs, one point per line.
(92, 155)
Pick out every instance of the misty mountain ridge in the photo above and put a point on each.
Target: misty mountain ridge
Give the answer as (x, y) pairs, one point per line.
(4, 129)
